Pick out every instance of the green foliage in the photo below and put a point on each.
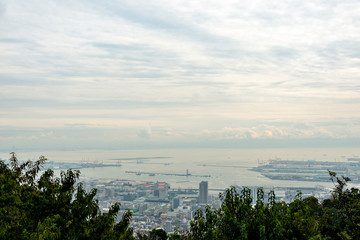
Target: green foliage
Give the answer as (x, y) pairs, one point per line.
(341, 213)
(46, 207)
(334, 218)
(155, 234)
(178, 235)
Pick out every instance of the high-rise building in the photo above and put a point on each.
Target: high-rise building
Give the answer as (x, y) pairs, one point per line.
(203, 192)
(168, 226)
(175, 203)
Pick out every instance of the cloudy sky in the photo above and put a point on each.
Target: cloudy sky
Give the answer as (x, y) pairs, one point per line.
(158, 74)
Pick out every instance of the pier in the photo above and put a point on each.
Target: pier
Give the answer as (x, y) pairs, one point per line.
(187, 174)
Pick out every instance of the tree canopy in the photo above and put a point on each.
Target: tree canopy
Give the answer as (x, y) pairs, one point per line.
(303, 218)
(48, 207)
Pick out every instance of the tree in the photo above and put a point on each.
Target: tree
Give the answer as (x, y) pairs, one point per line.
(155, 234)
(341, 213)
(334, 218)
(47, 207)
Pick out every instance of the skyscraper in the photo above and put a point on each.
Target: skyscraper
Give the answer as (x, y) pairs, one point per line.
(168, 226)
(203, 192)
(175, 203)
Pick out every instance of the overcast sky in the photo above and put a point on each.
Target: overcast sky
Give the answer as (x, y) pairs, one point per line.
(158, 74)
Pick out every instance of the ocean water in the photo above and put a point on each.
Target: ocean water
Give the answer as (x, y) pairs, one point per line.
(224, 166)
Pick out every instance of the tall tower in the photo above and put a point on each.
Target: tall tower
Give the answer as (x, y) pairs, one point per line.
(168, 226)
(203, 192)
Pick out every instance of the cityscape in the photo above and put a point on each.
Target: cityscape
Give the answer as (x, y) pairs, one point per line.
(170, 120)
(159, 205)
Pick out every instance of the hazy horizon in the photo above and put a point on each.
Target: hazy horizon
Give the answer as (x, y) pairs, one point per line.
(224, 166)
(200, 74)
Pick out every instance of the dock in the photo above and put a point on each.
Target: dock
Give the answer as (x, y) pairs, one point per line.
(187, 174)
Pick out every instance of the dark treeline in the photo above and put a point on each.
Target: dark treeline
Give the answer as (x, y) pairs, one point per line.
(47, 207)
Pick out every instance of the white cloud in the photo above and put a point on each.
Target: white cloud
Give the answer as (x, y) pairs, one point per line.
(284, 131)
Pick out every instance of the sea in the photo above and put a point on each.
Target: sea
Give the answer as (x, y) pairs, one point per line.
(220, 167)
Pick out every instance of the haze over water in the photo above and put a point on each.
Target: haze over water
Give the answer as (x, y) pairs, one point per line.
(225, 166)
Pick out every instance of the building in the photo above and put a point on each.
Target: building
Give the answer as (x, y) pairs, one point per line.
(203, 192)
(168, 226)
(175, 203)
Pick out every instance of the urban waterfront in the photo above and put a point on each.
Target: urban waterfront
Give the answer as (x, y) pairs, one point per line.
(163, 188)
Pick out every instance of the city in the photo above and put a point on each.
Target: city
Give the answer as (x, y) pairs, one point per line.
(157, 205)
(172, 120)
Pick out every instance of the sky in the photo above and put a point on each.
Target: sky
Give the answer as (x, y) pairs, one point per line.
(165, 74)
